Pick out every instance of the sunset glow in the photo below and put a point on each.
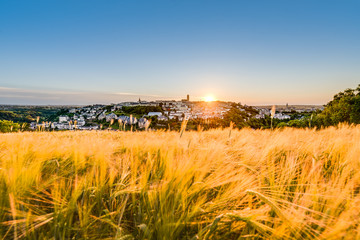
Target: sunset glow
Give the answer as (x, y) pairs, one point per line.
(209, 98)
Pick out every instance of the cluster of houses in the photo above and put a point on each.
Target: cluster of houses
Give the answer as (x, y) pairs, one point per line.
(90, 117)
(267, 112)
(206, 111)
(178, 110)
(65, 123)
(193, 110)
(282, 112)
(75, 119)
(123, 119)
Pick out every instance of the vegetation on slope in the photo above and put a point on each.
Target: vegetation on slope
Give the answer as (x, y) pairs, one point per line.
(9, 126)
(27, 114)
(218, 184)
(345, 107)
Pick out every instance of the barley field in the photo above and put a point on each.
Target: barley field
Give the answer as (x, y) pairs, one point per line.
(218, 184)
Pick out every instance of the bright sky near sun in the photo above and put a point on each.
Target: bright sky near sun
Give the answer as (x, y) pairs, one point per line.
(209, 98)
(253, 52)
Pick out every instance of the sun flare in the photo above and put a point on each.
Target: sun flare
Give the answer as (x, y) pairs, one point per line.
(209, 98)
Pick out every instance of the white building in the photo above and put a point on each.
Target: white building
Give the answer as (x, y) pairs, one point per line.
(111, 116)
(143, 122)
(102, 115)
(281, 116)
(63, 119)
(150, 114)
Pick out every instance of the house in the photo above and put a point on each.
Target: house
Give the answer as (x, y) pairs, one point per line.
(81, 122)
(133, 120)
(102, 115)
(143, 123)
(111, 116)
(63, 119)
(162, 118)
(128, 120)
(124, 119)
(150, 114)
(281, 116)
(33, 125)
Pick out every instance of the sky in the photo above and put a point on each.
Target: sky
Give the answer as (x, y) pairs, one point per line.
(254, 52)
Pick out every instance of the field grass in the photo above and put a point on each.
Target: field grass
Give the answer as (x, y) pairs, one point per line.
(218, 184)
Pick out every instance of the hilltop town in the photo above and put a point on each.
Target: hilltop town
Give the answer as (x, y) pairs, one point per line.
(139, 114)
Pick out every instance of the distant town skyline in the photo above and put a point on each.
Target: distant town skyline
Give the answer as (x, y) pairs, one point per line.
(253, 52)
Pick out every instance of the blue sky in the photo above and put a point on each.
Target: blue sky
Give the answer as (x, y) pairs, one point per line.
(254, 52)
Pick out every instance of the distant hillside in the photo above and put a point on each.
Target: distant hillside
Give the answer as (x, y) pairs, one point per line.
(17, 113)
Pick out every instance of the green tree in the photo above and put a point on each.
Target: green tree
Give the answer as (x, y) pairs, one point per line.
(298, 123)
(355, 113)
(9, 126)
(345, 107)
(235, 115)
(282, 125)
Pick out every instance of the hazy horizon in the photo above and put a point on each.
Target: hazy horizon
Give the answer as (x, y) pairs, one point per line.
(257, 53)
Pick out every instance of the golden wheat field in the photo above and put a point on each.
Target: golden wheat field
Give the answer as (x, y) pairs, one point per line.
(218, 184)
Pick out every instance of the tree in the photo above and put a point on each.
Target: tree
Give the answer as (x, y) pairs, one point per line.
(345, 107)
(355, 113)
(282, 125)
(9, 126)
(236, 116)
(297, 123)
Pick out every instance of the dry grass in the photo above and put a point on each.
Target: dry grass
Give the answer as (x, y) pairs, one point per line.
(282, 184)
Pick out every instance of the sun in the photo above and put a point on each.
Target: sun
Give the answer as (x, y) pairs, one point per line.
(209, 98)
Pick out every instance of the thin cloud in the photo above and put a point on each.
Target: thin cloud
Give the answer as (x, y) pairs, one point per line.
(35, 91)
(137, 94)
(125, 93)
(6, 88)
(27, 96)
(48, 96)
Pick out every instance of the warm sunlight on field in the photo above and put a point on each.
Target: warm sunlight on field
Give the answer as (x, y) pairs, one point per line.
(220, 184)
